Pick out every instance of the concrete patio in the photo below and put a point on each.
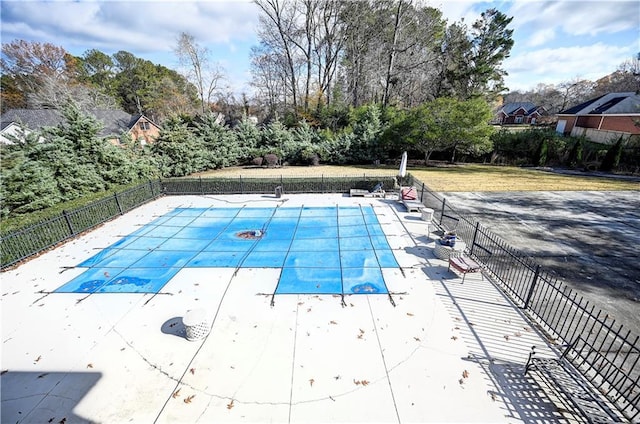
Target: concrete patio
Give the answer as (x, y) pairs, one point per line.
(435, 350)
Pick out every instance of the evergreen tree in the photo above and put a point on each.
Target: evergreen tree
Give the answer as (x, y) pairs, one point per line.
(540, 158)
(367, 129)
(277, 140)
(612, 157)
(248, 137)
(177, 150)
(220, 144)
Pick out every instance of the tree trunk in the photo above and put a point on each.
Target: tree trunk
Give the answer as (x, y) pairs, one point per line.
(392, 55)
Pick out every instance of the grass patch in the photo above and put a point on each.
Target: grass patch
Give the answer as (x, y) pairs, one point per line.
(464, 178)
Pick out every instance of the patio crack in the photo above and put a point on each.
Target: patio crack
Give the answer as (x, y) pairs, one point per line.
(384, 361)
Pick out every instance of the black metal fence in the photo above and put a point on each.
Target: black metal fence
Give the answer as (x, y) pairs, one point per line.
(240, 185)
(605, 353)
(36, 238)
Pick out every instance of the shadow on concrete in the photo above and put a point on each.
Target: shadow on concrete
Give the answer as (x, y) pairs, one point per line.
(499, 337)
(44, 397)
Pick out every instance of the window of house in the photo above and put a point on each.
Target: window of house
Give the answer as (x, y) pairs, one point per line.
(519, 119)
(144, 125)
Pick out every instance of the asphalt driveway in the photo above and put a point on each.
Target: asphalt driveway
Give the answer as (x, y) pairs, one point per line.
(590, 240)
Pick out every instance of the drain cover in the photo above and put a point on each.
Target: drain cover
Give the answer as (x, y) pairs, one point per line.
(250, 234)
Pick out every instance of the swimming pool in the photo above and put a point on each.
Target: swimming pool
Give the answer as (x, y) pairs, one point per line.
(320, 250)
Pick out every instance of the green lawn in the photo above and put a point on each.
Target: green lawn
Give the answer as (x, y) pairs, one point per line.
(468, 177)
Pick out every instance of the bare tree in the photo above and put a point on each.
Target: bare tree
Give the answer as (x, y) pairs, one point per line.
(277, 26)
(203, 73)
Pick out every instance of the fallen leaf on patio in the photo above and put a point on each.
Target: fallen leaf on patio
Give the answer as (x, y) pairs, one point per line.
(518, 334)
(416, 338)
(308, 309)
(43, 375)
(493, 397)
(300, 303)
(192, 370)
(50, 420)
(38, 358)
(506, 337)
(189, 399)
(89, 365)
(461, 381)
(454, 338)
(4, 372)
(230, 404)
(311, 380)
(337, 377)
(365, 382)
(62, 421)
(465, 374)
(176, 394)
(357, 383)
(409, 314)
(333, 322)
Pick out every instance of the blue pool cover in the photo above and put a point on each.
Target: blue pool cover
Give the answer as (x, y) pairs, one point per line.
(320, 250)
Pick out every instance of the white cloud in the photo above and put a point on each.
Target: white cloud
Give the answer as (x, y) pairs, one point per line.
(140, 26)
(555, 65)
(541, 37)
(576, 17)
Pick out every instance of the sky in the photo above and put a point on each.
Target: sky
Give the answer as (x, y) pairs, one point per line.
(555, 41)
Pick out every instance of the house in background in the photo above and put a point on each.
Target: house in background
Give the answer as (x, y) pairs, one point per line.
(115, 122)
(518, 113)
(604, 119)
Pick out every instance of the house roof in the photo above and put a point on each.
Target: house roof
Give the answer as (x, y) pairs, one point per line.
(611, 103)
(113, 121)
(510, 108)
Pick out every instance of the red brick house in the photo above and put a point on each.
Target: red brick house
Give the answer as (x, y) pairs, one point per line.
(518, 113)
(603, 119)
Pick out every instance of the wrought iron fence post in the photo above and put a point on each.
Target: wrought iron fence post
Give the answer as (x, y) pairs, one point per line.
(475, 234)
(532, 287)
(444, 201)
(241, 185)
(322, 183)
(200, 184)
(115, 197)
(69, 224)
(421, 193)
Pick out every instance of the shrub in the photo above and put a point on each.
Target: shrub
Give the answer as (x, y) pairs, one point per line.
(612, 157)
(272, 160)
